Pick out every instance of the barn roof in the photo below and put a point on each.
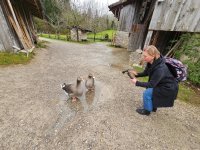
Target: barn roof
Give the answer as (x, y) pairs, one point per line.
(117, 6)
(35, 7)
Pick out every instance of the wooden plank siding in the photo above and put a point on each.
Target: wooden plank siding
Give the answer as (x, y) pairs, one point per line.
(126, 18)
(141, 20)
(5, 35)
(17, 28)
(176, 15)
(8, 37)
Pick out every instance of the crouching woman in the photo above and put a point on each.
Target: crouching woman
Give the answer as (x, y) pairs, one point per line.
(162, 88)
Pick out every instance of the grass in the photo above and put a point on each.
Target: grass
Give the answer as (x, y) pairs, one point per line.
(188, 95)
(139, 69)
(13, 58)
(41, 44)
(54, 36)
(63, 38)
(185, 93)
(101, 35)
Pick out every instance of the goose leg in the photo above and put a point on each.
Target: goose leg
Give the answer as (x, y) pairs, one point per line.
(73, 99)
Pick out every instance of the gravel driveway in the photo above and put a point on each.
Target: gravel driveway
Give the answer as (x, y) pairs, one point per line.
(35, 113)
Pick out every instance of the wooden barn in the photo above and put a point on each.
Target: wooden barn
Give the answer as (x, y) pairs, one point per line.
(17, 29)
(157, 22)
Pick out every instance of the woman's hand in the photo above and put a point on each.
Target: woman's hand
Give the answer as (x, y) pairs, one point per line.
(134, 80)
(132, 72)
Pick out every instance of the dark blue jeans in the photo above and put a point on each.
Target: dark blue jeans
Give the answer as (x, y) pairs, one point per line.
(147, 99)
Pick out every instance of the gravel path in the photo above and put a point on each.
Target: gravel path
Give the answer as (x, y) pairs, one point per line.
(35, 113)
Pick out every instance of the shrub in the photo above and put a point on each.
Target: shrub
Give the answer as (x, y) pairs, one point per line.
(189, 54)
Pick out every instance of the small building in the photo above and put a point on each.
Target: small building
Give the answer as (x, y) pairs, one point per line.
(79, 34)
(17, 30)
(157, 22)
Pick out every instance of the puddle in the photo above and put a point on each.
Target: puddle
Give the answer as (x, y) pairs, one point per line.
(68, 109)
(85, 102)
(118, 66)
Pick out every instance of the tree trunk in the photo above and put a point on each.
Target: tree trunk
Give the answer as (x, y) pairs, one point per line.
(77, 36)
(94, 35)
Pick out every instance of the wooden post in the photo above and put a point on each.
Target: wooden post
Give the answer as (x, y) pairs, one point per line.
(148, 38)
(16, 22)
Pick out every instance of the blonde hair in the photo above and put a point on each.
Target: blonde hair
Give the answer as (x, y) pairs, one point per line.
(152, 51)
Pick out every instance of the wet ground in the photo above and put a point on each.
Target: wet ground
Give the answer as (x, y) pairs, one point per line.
(35, 112)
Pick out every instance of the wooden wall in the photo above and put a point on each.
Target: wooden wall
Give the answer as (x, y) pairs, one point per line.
(126, 18)
(140, 24)
(176, 15)
(8, 38)
(16, 26)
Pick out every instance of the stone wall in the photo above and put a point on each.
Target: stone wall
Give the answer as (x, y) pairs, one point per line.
(121, 39)
(82, 35)
(136, 58)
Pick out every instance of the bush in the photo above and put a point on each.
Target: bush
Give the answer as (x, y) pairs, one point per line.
(189, 54)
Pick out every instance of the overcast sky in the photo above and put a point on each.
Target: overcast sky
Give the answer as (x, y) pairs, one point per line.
(103, 4)
(109, 1)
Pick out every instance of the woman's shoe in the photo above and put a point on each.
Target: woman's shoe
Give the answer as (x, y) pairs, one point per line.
(143, 112)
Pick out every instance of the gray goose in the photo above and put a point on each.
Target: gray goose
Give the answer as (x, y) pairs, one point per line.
(73, 90)
(89, 83)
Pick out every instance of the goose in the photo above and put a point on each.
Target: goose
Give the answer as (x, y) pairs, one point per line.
(73, 90)
(89, 83)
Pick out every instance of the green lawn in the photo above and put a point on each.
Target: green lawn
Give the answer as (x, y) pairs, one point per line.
(12, 58)
(64, 38)
(101, 35)
(54, 36)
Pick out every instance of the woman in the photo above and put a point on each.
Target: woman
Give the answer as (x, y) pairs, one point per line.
(162, 88)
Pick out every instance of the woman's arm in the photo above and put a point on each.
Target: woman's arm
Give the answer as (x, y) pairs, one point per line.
(143, 74)
(155, 79)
